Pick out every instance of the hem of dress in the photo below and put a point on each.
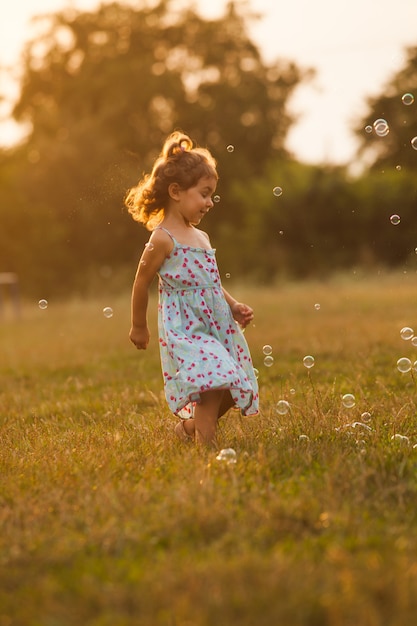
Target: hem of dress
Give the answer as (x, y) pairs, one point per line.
(194, 399)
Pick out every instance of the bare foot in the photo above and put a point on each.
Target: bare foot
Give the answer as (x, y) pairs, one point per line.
(184, 430)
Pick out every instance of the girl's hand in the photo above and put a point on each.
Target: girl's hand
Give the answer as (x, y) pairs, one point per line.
(242, 313)
(139, 337)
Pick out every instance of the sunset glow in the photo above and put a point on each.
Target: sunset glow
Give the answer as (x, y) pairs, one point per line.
(352, 62)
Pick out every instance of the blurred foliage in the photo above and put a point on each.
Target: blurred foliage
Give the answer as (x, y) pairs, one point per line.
(101, 90)
(396, 105)
(323, 222)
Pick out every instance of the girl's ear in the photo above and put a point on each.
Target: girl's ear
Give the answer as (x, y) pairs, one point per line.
(174, 191)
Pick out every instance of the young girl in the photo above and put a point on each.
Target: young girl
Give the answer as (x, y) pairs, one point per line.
(206, 363)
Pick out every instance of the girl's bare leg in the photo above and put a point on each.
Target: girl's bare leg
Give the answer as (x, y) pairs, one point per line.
(205, 416)
(226, 403)
(213, 404)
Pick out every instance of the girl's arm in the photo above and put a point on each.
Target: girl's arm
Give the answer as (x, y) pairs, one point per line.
(242, 313)
(156, 251)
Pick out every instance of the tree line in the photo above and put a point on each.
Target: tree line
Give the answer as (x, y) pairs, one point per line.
(99, 93)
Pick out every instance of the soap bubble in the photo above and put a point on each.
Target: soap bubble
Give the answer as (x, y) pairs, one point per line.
(108, 312)
(406, 333)
(366, 416)
(216, 198)
(267, 349)
(149, 246)
(268, 361)
(381, 127)
(308, 361)
(43, 304)
(256, 372)
(230, 148)
(292, 391)
(348, 400)
(283, 407)
(303, 438)
(414, 341)
(395, 219)
(227, 455)
(317, 306)
(400, 438)
(407, 99)
(414, 143)
(277, 191)
(361, 425)
(404, 365)
(368, 129)
(397, 60)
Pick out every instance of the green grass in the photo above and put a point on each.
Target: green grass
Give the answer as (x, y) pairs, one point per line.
(107, 520)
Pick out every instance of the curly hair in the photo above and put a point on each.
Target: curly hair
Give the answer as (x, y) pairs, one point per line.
(179, 162)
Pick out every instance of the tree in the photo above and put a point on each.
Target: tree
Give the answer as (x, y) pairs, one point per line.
(100, 92)
(390, 147)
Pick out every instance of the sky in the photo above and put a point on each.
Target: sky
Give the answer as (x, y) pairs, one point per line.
(355, 46)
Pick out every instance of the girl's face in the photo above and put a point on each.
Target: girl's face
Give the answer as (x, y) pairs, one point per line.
(196, 201)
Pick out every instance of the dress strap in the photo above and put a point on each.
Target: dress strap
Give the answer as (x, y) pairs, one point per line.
(167, 232)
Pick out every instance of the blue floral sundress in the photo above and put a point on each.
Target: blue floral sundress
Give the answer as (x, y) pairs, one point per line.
(201, 345)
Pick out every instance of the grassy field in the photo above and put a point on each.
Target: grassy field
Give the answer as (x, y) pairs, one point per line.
(107, 520)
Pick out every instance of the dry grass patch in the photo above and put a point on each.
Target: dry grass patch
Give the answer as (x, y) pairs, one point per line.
(106, 519)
